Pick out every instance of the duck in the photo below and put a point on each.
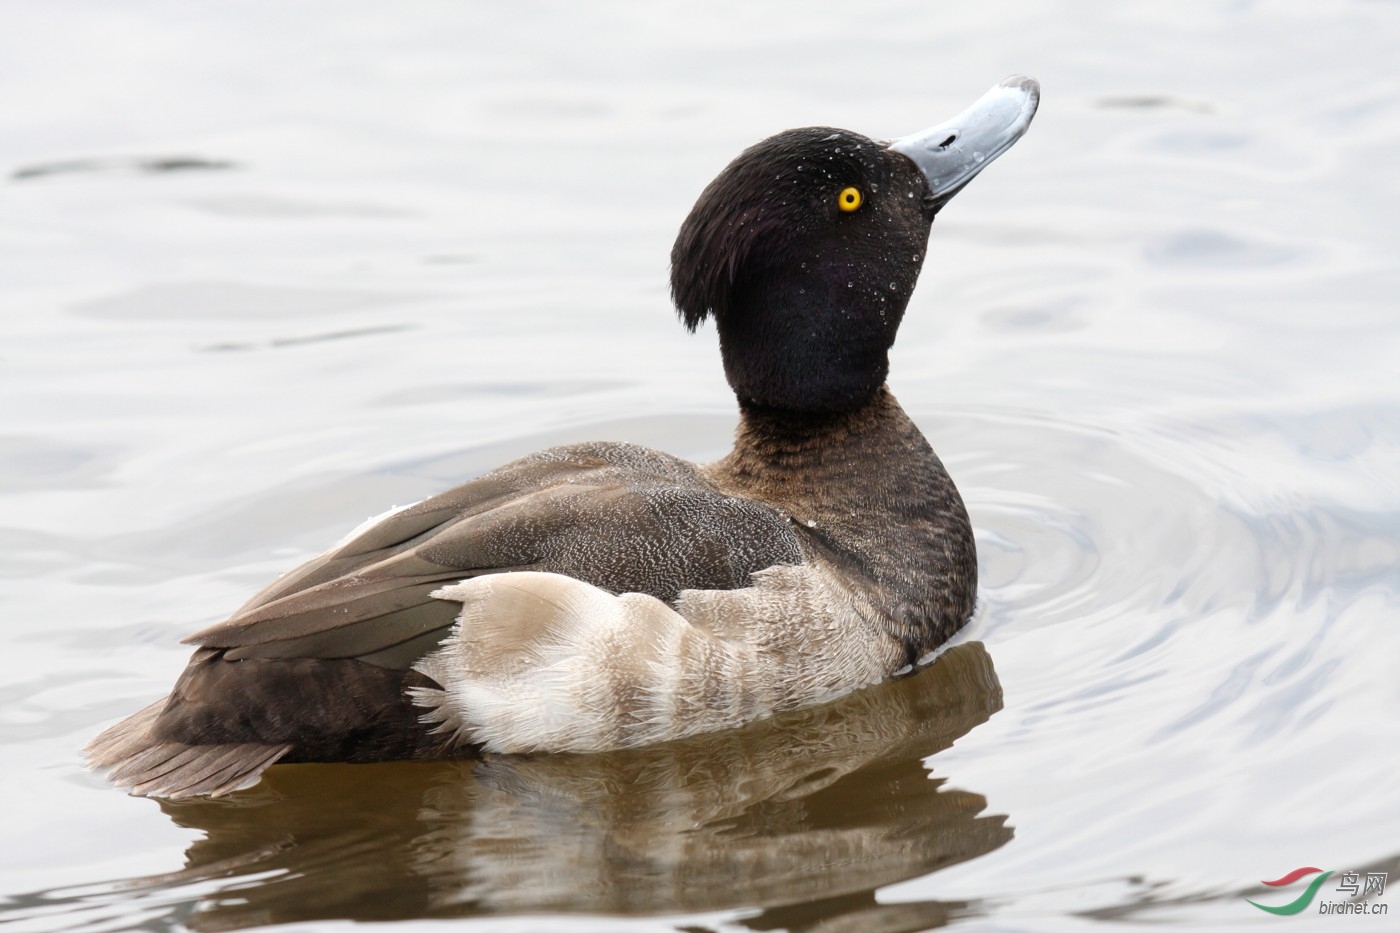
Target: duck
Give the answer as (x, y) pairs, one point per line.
(604, 596)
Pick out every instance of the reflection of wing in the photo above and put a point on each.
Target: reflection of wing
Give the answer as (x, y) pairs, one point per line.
(827, 802)
(316, 666)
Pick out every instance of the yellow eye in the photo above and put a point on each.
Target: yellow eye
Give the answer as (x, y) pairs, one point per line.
(849, 199)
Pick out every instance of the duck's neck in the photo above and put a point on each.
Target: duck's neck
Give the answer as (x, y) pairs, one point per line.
(865, 488)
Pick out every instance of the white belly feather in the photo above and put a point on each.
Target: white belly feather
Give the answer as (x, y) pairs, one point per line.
(544, 662)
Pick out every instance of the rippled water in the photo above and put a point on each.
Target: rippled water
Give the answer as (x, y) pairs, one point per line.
(270, 269)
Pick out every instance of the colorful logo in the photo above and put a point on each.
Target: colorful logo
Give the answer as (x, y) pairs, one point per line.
(1357, 887)
(1303, 900)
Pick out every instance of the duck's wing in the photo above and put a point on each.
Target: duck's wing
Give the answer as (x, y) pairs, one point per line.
(369, 596)
(621, 518)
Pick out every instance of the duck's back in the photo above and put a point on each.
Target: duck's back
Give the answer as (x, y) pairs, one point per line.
(621, 517)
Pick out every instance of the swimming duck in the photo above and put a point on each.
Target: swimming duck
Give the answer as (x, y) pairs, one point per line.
(602, 596)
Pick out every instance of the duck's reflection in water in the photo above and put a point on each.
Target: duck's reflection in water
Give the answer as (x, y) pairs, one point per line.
(803, 816)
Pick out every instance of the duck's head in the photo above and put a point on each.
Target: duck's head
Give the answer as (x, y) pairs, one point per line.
(806, 248)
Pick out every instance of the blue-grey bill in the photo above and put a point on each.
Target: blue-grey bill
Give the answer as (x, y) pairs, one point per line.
(953, 152)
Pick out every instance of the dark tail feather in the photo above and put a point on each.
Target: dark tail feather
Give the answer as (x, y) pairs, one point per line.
(153, 767)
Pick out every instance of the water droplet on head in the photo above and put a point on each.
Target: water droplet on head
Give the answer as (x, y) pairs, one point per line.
(979, 157)
(894, 286)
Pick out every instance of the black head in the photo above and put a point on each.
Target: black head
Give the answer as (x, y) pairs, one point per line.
(805, 250)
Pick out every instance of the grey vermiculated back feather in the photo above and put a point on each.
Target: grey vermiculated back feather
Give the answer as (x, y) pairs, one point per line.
(563, 510)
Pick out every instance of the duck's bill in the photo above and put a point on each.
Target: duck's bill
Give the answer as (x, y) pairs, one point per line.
(952, 153)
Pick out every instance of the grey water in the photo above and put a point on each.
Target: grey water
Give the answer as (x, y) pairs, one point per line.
(268, 269)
